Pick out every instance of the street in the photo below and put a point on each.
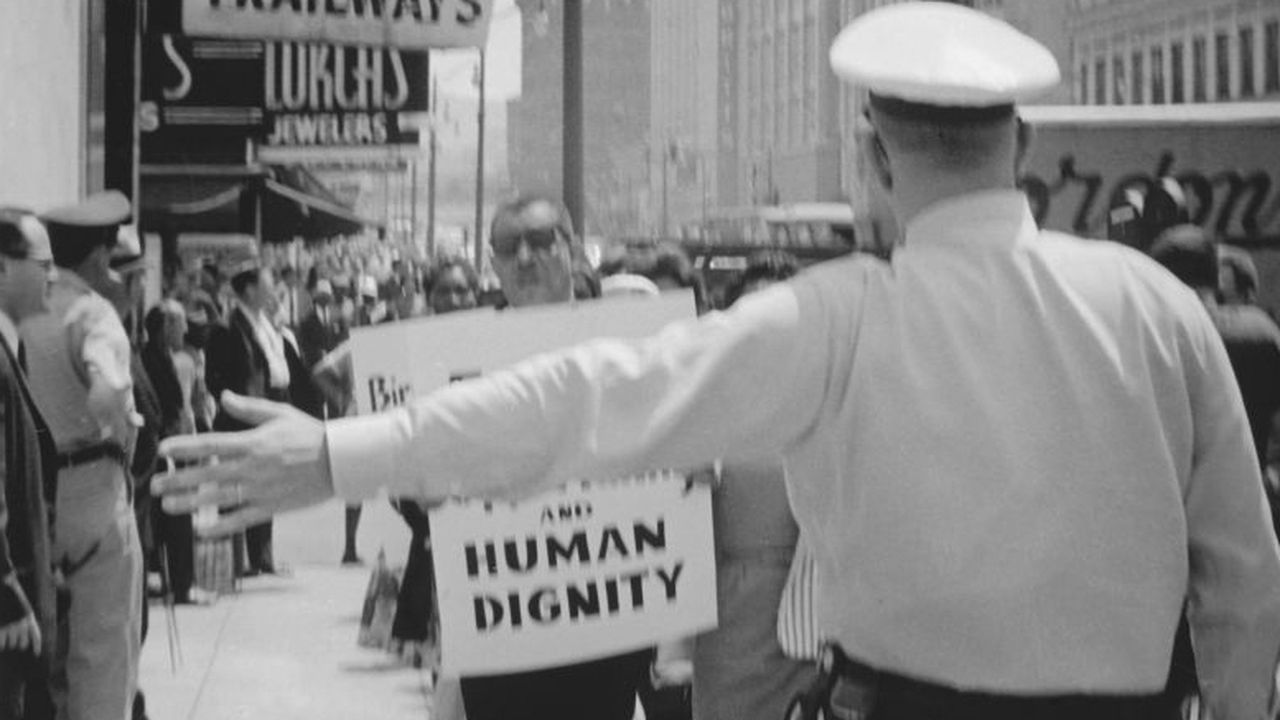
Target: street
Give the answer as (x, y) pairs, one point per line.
(285, 647)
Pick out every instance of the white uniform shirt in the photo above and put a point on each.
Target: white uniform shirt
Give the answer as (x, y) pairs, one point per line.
(1014, 453)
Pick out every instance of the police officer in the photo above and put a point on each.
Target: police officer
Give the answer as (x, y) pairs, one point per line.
(1017, 455)
(79, 357)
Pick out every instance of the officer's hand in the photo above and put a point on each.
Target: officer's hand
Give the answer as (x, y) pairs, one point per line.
(281, 465)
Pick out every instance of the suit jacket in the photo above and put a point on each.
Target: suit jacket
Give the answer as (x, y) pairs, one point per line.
(316, 338)
(30, 477)
(235, 361)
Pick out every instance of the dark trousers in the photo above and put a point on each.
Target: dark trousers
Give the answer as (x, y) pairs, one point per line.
(257, 540)
(176, 539)
(596, 690)
(24, 687)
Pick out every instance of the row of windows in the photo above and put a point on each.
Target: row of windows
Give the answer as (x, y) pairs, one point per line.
(1219, 67)
(781, 67)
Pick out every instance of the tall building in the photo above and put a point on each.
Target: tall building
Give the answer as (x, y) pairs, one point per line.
(615, 89)
(788, 130)
(1155, 52)
(688, 174)
(744, 108)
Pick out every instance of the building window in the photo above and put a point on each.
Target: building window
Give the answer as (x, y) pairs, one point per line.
(1119, 85)
(1157, 75)
(1100, 82)
(1198, 70)
(1176, 73)
(1271, 58)
(1137, 93)
(1222, 63)
(1246, 62)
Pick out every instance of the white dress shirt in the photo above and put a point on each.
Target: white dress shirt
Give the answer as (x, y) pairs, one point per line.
(1014, 453)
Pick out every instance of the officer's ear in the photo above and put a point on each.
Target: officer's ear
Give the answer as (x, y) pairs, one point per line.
(1025, 137)
(872, 146)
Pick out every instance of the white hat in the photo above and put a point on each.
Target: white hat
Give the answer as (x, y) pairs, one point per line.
(938, 53)
(627, 284)
(368, 286)
(324, 287)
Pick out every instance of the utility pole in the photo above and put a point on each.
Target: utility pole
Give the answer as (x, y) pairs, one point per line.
(479, 237)
(431, 171)
(572, 168)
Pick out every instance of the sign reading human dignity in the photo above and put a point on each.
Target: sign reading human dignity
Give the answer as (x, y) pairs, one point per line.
(582, 571)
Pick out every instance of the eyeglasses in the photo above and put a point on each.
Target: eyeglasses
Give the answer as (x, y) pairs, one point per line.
(538, 240)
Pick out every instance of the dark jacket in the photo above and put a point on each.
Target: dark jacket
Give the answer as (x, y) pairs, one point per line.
(317, 338)
(26, 508)
(235, 361)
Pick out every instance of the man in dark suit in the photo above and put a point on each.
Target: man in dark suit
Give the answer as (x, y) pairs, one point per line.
(248, 357)
(29, 474)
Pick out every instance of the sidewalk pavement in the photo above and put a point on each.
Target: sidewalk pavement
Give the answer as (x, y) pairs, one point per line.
(280, 648)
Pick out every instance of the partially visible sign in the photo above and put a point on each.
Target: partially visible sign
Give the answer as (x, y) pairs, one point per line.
(392, 363)
(583, 572)
(197, 82)
(575, 573)
(302, 101)
(408, 24)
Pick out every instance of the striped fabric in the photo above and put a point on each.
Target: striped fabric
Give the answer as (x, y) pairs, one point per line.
(797, 622)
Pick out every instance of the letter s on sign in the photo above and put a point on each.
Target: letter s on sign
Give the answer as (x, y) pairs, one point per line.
(180, 64)
(148, 116)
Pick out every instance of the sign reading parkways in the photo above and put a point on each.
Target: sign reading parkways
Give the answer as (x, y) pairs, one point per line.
(405, 24)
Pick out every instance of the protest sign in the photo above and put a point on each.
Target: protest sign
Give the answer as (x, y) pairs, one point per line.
(394, 362)
(586, 571)
(583, 571)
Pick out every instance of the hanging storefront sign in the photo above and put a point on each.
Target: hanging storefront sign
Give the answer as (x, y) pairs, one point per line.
(333, 97)
(405, 24)
(317, 100)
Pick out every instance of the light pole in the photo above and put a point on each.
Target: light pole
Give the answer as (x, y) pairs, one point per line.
(479, 237)
(572, 167)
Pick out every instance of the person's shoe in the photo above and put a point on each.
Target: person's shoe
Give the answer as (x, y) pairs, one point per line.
(352, 559)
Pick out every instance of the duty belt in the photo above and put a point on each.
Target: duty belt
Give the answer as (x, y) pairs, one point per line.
(92, 453)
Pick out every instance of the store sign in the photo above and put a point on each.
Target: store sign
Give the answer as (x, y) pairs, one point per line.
(405, 24)
(332, 96)
(201, 82)
(319, 99)
(585, 571)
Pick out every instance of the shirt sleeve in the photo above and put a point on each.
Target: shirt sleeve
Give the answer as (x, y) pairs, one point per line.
(104, 350)
(746, 383)
(1234, 585)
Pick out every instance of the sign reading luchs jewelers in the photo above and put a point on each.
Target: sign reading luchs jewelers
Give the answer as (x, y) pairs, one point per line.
(406, 24)
(318, 95)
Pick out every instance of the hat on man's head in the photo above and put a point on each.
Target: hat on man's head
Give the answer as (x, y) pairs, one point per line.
(941, 55)
(324, 287)
(100, 210)
(126, 256)
(368, 287)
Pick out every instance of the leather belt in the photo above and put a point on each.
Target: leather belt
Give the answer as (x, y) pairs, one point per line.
(91, 453)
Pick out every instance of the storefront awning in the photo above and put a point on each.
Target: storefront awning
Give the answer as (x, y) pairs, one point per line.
(277, 204)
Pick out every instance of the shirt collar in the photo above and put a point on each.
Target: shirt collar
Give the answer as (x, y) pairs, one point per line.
(987, 217)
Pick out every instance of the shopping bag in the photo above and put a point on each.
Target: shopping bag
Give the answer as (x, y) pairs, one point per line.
(379, 609)
(214, 564)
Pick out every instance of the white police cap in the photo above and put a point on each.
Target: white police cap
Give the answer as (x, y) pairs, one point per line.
(942, 54)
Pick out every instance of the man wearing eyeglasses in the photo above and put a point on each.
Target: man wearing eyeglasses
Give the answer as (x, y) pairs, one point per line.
(536, 257)
(27, 482)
